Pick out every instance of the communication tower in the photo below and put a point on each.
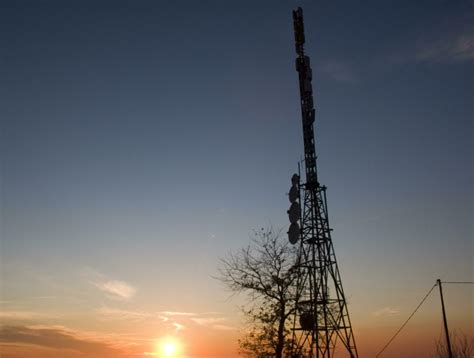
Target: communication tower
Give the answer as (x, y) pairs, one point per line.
(322, 325)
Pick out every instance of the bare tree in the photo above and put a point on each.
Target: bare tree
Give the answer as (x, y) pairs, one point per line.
(462, 347)
(265, 272)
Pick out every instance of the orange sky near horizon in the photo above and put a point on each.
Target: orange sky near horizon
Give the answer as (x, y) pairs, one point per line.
(209, 335)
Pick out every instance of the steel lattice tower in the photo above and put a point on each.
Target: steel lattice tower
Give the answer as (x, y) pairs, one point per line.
(321, 317)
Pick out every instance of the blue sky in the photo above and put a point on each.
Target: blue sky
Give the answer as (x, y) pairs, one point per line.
(142, 141)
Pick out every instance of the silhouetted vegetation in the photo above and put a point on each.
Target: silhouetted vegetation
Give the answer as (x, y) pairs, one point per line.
(265, 272)
(462, 347)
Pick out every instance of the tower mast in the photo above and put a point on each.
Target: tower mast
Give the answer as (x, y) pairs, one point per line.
(321, 316)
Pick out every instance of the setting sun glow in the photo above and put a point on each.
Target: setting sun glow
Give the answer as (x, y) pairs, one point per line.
(168, 348)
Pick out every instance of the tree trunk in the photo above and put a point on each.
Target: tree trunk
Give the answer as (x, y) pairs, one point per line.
(281, 333)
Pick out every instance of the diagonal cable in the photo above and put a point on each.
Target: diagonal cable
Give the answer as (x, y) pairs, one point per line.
(404, 324)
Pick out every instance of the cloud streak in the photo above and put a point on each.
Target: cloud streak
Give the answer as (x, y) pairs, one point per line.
(25, 315)
(57, 338)
(339, 71)
(173, 313)
(178, 326)
(116, 289)
(126, 315)
(452, 41)
(213, 322)
(451, 48)
(386, 312)
(175, 319)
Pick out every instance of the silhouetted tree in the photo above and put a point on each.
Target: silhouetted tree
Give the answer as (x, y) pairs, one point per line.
(462, 347)
(265, 272)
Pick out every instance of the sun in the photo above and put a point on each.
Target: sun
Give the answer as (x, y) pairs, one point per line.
(168, 347)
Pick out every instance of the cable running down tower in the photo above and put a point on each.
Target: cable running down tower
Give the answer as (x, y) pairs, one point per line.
(322, 328)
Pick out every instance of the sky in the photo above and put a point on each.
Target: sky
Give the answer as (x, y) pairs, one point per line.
(142, 141)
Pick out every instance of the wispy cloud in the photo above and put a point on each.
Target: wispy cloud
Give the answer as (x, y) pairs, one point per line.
(339, 71)
(178, 326)
(223, 327)
(25, 315)
(108, 313)
(113, 288)
(451, 41)
(450, 48)
(177, 320)
(174, 313)
(117, 289)
(164, 316)
(126, 315)
(57, 338)
(207, 321)
(173, 319)
(386, 312)
(212, 322)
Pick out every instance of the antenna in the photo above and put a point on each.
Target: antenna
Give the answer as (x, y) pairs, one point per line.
(321, 317)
